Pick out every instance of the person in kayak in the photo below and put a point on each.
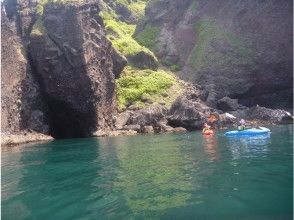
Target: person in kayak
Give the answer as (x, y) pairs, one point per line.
(206, 128)
(242, 125)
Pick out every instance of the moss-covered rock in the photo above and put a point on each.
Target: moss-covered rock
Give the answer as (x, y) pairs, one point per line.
(120, 34)
(135, 84)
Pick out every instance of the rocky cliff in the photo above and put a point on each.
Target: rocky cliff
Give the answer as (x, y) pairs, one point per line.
(74, 65)
(241, 49)
(59, 65)
(21, 104)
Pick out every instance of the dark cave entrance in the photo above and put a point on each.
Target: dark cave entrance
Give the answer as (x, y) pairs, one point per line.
(65, 122)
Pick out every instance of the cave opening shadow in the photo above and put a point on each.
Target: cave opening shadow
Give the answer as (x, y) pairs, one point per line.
(66, 122)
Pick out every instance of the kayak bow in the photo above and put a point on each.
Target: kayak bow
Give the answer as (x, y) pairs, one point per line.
(249, 132)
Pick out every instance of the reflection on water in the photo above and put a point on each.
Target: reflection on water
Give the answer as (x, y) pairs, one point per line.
(249, 146)
(173, 176)
(211, 146)
(152, 179)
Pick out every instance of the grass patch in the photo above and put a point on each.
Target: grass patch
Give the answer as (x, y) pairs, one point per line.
(134, 84)
(137, 8)
(147, 37)
(120, 34)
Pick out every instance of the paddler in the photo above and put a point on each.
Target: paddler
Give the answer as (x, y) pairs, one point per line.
(206, 127)
(242, 125)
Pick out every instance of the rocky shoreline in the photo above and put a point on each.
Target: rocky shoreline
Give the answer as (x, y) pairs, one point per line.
(60, 71)
(19, 139)
(23, 138)
(187, 113)
(190, 112)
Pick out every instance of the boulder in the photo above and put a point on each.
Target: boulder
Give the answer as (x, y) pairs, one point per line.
(188, 110)
(143, 60)
(132, 127)
(227, 119)
(122, 132)
(179, 129)
(134, 107)
(122, 119)
(148, 129)
(262, 114)
(99, 133)
(227, 104)
(148, 117)
(167, 128)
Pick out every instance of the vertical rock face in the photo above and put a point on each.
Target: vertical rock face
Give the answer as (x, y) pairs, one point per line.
(20, 94)
(236, 48)
(76, 66)
(58, 70)
(23, 12)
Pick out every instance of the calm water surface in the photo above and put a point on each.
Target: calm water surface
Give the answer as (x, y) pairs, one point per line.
(170, 176)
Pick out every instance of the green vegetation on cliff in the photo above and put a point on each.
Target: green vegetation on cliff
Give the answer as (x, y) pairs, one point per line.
(120, 34)
(206, 30)
(136, 84)
(148, 36)
(136, 7)
(203, 54)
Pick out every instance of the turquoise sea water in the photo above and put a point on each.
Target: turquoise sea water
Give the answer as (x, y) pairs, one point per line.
(169, 176)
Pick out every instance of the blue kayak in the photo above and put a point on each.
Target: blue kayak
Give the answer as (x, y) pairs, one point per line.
(249, 132)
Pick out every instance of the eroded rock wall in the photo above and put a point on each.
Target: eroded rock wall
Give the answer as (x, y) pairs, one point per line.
(236, 48)
(58, 69)
(22, 107)
(73, 61)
